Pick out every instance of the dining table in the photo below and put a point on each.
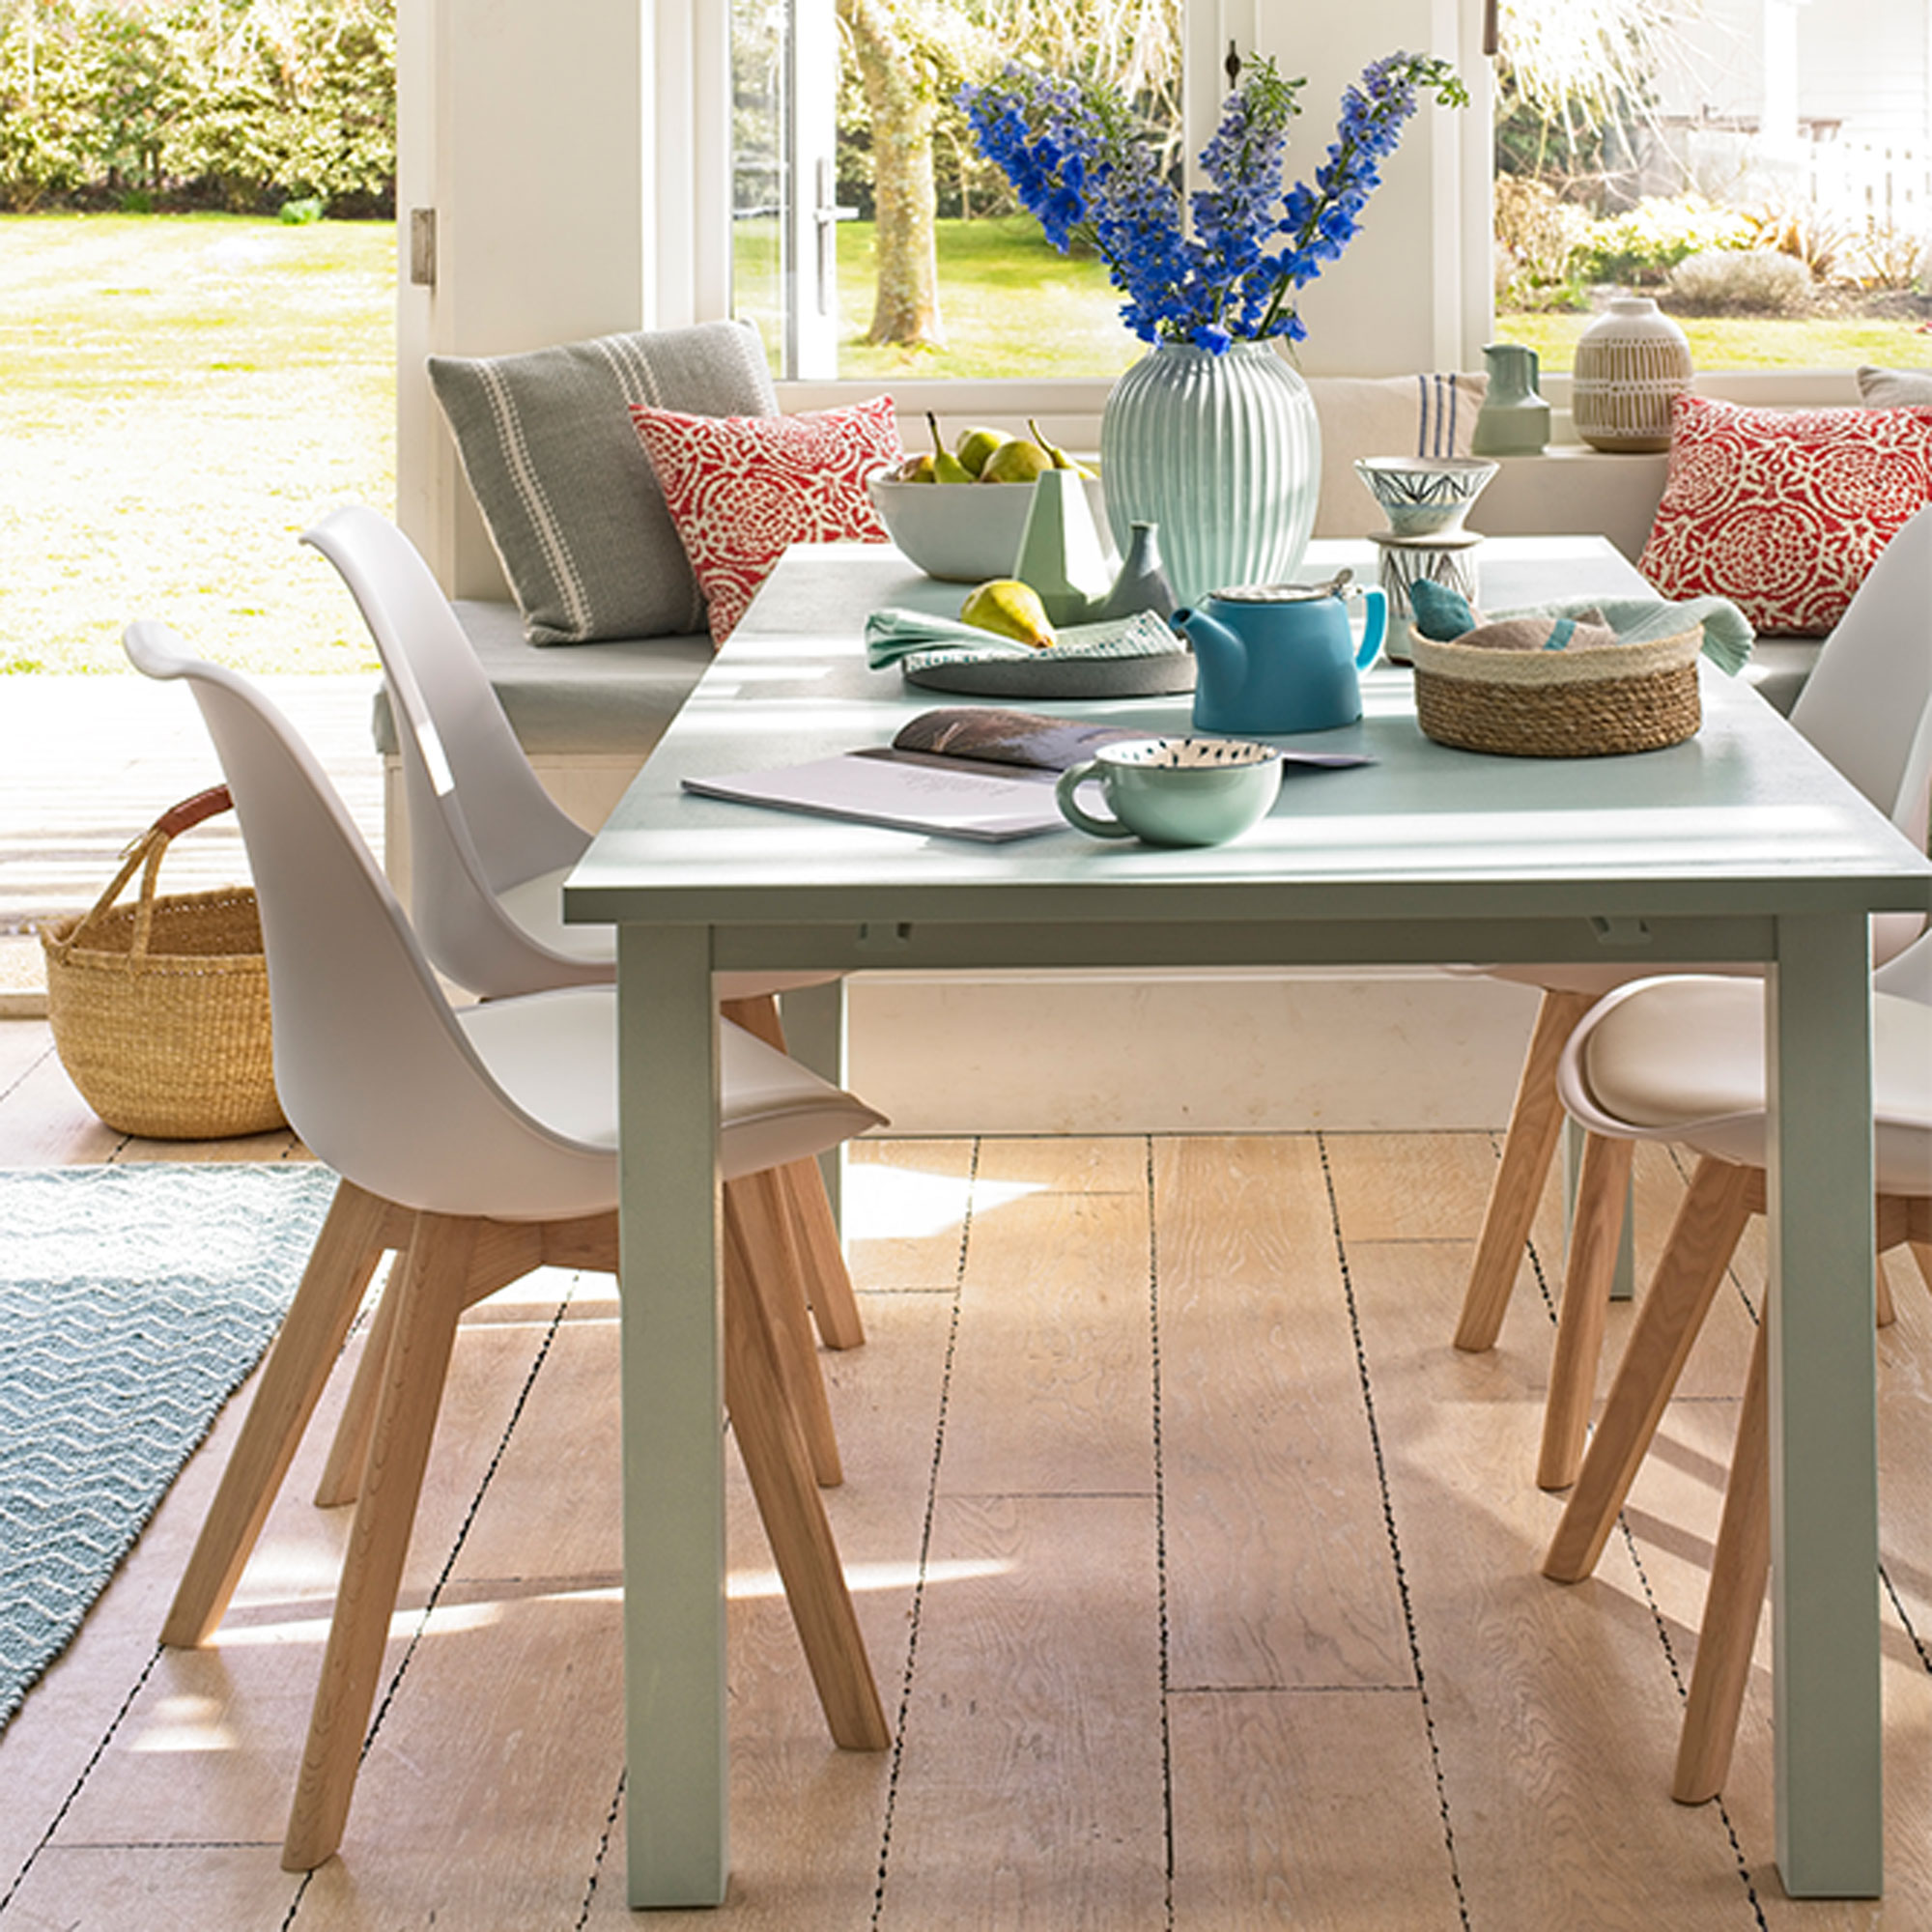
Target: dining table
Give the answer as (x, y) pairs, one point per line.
(1740, 843)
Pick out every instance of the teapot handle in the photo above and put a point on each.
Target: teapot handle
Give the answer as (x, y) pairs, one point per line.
(1376, 626)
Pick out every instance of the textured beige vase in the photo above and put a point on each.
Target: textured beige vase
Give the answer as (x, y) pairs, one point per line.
(1629, 362)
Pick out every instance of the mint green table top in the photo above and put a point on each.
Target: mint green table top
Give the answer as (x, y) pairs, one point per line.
(1744, 818)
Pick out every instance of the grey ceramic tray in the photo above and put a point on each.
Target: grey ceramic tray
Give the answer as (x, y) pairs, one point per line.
(1044, 675)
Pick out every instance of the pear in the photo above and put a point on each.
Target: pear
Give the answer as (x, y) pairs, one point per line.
(915, 469)
(946, 467)
(1057, 455)
(977, 444)
(1009, 609)
(1016, 461)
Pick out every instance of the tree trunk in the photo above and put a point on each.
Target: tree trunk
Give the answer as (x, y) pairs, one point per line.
(900, 90)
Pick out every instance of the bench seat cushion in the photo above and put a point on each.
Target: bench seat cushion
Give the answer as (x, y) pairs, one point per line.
(609, 698)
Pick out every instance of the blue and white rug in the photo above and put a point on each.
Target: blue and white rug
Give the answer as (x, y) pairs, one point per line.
(133, 1300)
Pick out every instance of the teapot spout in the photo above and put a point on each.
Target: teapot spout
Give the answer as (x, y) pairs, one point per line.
(1221, 659)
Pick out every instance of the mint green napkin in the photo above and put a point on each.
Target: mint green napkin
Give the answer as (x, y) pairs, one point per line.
(911, 638)
(1728, 635)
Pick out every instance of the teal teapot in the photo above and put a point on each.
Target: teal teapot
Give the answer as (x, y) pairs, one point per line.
(1272, 659)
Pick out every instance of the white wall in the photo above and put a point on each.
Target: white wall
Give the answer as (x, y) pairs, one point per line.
(524, 128)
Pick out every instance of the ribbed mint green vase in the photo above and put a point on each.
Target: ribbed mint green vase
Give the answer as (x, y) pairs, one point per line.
(1223, 452)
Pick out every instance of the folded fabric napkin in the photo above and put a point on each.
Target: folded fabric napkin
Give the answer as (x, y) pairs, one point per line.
(914, 639)
(1728, 635)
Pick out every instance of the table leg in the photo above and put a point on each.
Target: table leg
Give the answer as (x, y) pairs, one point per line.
(1824, 1458)
(672, 1370)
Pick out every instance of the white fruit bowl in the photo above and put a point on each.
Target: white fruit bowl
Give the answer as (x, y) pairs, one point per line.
(963, 532)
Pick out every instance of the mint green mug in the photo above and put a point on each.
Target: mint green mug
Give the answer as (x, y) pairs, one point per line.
(1174, 791)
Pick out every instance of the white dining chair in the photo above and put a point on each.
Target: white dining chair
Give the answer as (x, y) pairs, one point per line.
(1682, 1060)
(1867, 708)
(488, 852)
(483, 1143)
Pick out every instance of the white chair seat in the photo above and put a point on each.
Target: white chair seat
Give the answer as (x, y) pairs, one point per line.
(537, 906)
(1891, 932)
(1683, 1060)
(555, 1055)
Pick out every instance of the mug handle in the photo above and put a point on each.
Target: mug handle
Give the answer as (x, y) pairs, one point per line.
(1069, 782)
(1376, 626)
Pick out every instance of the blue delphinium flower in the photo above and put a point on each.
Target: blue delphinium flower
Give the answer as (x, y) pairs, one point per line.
(1080, 165)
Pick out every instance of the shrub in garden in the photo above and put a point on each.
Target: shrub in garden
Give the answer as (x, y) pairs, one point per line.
(1754, 281)
(242, 106)
(1889, 257)
(1644, 243)
(1538, 238)
(1807, 234)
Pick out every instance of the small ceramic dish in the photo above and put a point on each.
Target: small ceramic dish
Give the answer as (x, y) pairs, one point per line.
(1425, 496)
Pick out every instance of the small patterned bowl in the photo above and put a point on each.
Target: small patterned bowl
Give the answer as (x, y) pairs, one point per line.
(1425, 496)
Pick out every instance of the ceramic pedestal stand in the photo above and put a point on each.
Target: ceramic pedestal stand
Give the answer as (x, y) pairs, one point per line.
(1448, 558)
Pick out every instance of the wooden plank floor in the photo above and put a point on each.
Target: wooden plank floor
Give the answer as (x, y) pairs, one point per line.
(1199, 1574)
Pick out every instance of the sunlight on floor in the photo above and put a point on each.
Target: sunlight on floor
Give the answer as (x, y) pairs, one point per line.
(446, 1620)
(186, 1723)
(901, 1203)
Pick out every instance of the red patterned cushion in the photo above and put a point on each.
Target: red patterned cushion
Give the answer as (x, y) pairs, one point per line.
(1784, 511)
(741, 488)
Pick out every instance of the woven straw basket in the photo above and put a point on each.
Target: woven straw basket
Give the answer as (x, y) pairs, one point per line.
(1558, 704)
(161, 1010)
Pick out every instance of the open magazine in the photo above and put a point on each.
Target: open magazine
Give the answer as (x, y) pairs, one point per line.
(971, 772)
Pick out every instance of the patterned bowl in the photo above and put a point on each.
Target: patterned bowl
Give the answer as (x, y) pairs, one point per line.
(1425, 496)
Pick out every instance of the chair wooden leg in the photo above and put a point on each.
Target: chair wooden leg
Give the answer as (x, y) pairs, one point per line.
(514, 1250)
(793, 1516)
(827, 1282)
(338, 1270)
(1739, 1570)
(434, 1290)
(1710, 1218)
(342, 1473)
(1603, 1184)
(756, 1208)
(1530, 1145)
(1888, 1311)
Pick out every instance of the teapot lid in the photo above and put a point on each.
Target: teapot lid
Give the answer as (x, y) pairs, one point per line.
(1337, 586)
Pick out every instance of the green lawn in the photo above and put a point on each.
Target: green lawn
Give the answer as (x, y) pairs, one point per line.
(179, 398)
(1011, 304)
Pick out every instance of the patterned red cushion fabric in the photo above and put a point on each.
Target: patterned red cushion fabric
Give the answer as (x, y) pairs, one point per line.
(741, 488)
(1784, 511)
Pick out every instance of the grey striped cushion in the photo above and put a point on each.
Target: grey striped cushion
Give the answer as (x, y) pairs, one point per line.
(572, 504)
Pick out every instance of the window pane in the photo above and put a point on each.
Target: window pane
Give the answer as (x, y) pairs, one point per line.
(759, 37)
(938, 273)
(1762, 167)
